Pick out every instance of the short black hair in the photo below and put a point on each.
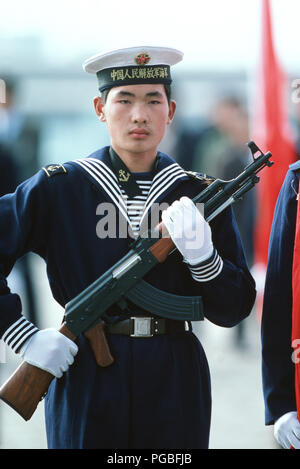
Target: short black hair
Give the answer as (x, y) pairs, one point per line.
(105, 92)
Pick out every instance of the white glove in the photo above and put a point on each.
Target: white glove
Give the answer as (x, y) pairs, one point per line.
(189, 231)
(287, 430)
(49, 350)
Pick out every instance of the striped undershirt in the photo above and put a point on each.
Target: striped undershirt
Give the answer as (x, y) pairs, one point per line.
(135, 206)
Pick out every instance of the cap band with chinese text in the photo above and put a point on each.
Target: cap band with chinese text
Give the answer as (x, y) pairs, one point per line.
(133, 65)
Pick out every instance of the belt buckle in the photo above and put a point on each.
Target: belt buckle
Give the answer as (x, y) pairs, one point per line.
(142, 327)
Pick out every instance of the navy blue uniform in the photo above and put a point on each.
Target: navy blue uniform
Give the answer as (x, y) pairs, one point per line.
(157, 393)
(277, 365)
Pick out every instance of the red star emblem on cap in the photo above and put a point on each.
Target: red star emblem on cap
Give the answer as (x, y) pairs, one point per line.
(142, 58)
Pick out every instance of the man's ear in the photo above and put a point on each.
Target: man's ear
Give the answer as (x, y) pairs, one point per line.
(172, 109)
(99, 108)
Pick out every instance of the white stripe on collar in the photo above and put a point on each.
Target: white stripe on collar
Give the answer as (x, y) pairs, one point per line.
(108, 181)
(161, 182)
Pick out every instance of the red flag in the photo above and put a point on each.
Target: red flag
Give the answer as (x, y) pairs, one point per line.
(271, 132)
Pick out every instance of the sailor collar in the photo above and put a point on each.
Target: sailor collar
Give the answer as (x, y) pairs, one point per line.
(99, 170)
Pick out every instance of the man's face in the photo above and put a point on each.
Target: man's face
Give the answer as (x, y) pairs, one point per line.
(136, 116)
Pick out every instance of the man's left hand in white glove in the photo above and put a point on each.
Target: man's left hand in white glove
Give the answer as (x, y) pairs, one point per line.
(191, 234)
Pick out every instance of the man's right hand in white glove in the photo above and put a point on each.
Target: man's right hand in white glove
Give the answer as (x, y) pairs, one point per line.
(49, 350)
(287, 430)
(189, 231)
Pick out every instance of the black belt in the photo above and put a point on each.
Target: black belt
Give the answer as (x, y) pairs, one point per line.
(146, 326)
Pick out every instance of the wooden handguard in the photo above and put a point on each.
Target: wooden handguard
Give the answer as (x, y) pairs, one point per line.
(162, 248)
(28, 385)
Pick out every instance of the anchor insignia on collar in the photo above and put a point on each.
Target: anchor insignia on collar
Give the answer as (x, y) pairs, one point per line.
(123, 177)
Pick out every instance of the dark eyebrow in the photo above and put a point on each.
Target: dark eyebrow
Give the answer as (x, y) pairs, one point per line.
(125, 93)
(154, 94)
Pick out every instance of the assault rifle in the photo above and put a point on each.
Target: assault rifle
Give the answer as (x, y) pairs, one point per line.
(87, 312)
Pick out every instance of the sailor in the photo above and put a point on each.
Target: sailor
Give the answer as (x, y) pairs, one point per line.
(278, 355)
(156, 393)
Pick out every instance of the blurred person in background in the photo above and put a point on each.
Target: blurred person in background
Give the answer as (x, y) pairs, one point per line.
(19, 144)
(204, 147)
(19, 132)
(156, 393)
(8, 171)
(220, 150)
(231, 162)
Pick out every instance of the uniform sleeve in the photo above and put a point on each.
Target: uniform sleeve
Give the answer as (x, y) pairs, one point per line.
(224, 280)
(24, 227)
(277, 365)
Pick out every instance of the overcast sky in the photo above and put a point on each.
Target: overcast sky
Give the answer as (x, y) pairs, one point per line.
(213, 34)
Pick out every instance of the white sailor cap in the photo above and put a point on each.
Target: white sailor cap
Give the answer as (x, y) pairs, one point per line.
(133, 65)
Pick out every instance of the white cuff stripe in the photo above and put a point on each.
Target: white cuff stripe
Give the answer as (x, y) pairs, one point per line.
(211, 277)
(204, 271)
(11, 336)
(204, 264)
(19, 336)
(12, 327)
(18, 332)
(24, 338)
(209, 272)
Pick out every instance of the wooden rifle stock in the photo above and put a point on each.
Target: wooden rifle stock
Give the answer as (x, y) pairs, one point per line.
(28, 385)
